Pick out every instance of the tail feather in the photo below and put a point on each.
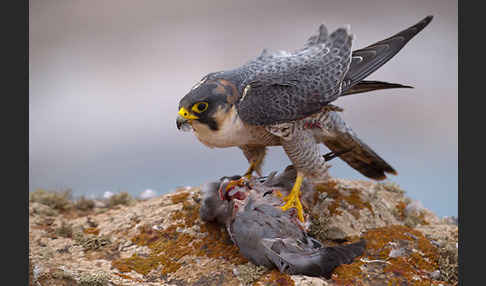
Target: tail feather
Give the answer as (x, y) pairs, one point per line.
(293, 259)
(346, 144)
(366, 86)
(333, 256)
(367, 60)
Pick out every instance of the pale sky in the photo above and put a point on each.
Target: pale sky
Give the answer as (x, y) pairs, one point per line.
(106, 77)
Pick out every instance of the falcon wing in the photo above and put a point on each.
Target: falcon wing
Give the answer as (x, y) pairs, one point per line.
(367, 60)
(285, 87)
(340, 139)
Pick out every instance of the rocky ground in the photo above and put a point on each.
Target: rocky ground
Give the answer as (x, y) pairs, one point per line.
(162, 241)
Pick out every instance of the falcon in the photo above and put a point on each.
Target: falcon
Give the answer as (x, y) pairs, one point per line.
(285, 99)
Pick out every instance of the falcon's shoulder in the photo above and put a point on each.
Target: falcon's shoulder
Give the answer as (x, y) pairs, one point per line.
(281, 87)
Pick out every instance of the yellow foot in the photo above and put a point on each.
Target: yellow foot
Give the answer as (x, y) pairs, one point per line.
(240, 182)
(293, 200)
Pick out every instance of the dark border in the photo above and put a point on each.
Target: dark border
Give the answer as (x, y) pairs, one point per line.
(471, 144)
(15, 139)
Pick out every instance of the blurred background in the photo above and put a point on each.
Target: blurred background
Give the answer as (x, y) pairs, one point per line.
(106, 76)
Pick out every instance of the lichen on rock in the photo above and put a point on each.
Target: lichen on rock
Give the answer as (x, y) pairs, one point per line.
(163, 241)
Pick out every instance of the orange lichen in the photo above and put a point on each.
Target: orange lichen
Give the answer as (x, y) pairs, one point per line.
(274, 277)
(169, 246)
(422, 219)
(400, 207)
(354, 199)
(142, 265)
(348, 274)
(178, 198)
(217, 244)
(124, 276)
(91, 230)
(410, 268)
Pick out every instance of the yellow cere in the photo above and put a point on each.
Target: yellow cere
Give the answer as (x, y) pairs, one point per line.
(186, 114)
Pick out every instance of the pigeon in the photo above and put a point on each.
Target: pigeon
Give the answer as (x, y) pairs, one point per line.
(264, 233)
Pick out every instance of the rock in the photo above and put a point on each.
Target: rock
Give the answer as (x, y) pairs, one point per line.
(162, 241)
(42, 210)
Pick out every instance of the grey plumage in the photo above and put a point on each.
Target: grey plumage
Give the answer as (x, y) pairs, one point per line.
(284, 99)
(367, 60)
(287, 86)
(292, 86)
(214, 208)
(341, 139)
(270, 237)
(366, 85)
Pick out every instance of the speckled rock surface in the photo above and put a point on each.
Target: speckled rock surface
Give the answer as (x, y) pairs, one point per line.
(162, 241)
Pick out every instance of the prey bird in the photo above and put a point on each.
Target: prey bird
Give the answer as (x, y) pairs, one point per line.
(265, 234)
(284, 99)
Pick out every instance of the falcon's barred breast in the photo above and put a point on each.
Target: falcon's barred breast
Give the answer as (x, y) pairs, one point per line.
(284, 99)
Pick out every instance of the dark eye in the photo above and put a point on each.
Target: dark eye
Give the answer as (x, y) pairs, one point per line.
(200, 107)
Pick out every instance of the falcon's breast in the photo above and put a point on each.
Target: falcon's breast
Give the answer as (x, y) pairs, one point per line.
(231, 130)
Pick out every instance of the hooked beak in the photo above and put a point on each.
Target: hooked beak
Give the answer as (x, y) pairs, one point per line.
(184, 119)
(180, 122)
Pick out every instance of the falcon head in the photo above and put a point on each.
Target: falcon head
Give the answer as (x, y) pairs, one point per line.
(208, 103)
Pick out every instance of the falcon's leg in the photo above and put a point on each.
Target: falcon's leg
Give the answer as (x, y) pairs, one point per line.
(303, 151)
(254, 155)
(293, 200)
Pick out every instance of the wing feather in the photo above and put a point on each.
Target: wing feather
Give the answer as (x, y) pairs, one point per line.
(367, 60)
(342, 140)
(289, 87)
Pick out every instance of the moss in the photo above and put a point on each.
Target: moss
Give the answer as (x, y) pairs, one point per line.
(90, 241)
(94, 243)
(61, 274)
(65, 230)
(122, 198)
(448, 263)
(95, 279)
(58, 200)
(53, 276)
(168, 246)
(248, 273)
(44, 210)
(84, 204)
(353, 198)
